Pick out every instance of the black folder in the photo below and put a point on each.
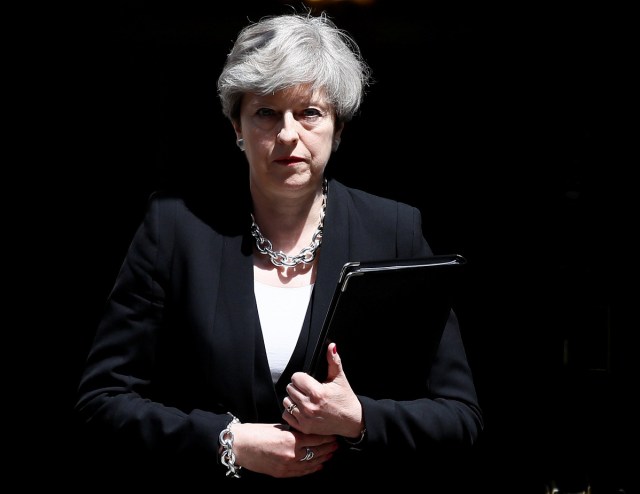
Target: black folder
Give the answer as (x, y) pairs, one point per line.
(387, 318)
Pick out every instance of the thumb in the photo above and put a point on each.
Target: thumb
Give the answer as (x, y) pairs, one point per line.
(334, 368)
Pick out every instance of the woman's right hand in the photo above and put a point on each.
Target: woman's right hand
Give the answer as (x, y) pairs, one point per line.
(278, 451)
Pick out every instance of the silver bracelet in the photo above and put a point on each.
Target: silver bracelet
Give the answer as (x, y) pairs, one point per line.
(357, 441)
(227, 456)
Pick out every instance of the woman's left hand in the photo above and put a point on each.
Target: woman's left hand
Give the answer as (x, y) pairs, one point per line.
(330, 407)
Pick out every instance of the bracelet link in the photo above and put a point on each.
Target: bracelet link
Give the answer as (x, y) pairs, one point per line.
(227, 456)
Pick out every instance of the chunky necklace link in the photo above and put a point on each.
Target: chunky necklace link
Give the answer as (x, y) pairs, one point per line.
(306, 255)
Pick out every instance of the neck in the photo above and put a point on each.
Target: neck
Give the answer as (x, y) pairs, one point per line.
(288, 245)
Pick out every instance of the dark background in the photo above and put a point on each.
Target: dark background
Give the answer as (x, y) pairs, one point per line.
(507, 126)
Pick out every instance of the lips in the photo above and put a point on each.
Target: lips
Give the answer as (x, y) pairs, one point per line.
(289, 161)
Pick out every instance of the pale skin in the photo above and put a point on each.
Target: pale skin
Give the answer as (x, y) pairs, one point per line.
(288, 140)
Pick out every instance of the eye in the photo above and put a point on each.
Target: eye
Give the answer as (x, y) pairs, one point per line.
(311, 113)
(265, 112)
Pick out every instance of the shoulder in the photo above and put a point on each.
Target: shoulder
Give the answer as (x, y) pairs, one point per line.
(164, 208)
(362, 199)
(392, 228)
(223, 212)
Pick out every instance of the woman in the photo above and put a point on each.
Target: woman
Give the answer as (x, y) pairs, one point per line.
(196, 362)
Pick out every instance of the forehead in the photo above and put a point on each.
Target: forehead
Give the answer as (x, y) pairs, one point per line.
(301, 95)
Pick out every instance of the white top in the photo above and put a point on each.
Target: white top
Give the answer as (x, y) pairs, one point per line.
(281, 311)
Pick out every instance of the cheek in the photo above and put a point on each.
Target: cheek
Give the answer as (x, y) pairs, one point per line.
(320, 148)
(257, 138)
(325, 141)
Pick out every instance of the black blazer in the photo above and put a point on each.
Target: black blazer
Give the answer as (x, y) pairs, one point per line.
(180, 343)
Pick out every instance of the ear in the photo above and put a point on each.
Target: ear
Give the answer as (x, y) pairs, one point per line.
(237, 128)
(336, 137)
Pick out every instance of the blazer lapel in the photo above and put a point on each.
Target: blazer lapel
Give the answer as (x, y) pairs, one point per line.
(334, 253)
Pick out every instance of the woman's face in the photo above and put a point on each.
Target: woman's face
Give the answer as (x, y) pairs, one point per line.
(288, 136)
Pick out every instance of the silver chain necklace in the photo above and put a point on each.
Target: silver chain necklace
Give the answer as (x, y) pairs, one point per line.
(306, 255)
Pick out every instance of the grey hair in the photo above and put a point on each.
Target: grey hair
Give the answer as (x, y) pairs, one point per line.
(282, 51)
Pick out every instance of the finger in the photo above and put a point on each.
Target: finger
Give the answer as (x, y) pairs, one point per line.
(315, 440)
(318, 452)
(334, 361)
(303, 382)
(290, 420)
(309, 454)
(290, 406)
(296, 395)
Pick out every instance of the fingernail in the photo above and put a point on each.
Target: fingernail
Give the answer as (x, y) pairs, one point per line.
(335, 349)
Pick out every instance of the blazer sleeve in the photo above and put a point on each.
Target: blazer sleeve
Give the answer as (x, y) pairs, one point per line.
(116, 384)
(449, 414)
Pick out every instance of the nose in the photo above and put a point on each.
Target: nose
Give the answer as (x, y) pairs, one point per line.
(288, 132)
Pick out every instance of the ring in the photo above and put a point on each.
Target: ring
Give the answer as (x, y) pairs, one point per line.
(292, 407)
(310, 454)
